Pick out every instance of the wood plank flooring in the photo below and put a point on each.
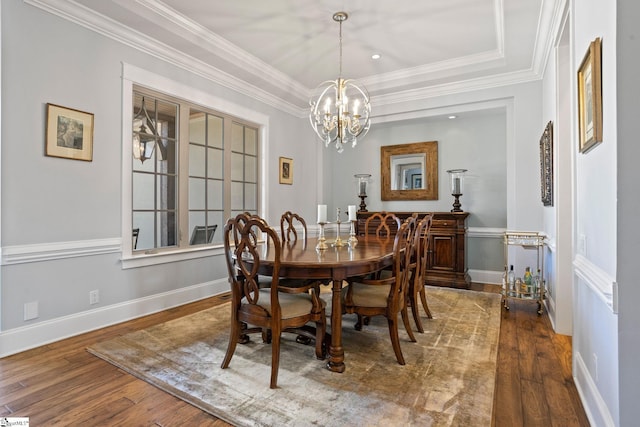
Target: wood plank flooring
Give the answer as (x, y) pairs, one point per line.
(63, 384)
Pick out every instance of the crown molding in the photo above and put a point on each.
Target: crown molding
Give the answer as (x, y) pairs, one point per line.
(481, 83)
(219, 46)
(550, 22)
(81, 15)
(107, 27)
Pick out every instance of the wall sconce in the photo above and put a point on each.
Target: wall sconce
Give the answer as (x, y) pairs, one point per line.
(363, 179)
(145, 141)
(456, 184)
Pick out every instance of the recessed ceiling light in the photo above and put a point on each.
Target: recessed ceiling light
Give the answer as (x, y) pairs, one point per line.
(452, 116)
(375, 56)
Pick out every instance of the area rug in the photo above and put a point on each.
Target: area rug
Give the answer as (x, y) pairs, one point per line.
(448, 380)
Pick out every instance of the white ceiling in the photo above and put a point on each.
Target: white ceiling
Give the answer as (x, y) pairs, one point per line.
(285, 48)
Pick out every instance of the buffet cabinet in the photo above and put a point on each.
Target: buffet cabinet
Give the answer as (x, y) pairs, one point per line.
(446, 261)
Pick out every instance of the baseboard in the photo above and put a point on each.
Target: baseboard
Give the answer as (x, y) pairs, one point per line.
(486, 276)
(594, 405)
(24, 338)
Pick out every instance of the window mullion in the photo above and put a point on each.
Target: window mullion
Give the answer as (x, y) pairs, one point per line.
(183, 175)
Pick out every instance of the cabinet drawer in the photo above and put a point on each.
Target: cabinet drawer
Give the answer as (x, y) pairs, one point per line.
(443, 223)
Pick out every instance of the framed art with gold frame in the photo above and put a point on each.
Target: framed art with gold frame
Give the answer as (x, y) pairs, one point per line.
(546, 165)
(69, 133)
(286, 170)
(590, 98)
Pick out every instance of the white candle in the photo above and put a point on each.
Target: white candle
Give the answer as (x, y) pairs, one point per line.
(322, 213)
(363, 188)
(356, 104)
(352, 212)
(456, 185)
(327, 106)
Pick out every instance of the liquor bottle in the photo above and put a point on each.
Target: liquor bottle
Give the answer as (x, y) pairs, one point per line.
(527, 281)
(535, 284)
(511, 276)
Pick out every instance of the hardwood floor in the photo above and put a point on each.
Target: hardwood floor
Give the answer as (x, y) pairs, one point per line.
(61, 383)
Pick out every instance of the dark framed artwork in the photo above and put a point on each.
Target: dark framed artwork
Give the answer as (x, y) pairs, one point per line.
(590, 98)
(286, 171)
(69, 133)
(416, 181)
(546, 165)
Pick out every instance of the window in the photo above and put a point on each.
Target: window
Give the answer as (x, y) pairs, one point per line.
(192, 169)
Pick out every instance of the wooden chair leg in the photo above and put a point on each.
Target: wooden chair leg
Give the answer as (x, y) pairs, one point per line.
(320, 333)
(275, 358)
(407, 326)
(234, 336)
(415, 310)
(395, 340)
(423, 297)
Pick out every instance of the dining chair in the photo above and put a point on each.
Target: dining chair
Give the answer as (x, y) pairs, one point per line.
(386, 296)
(418, 268)
(272, 310)
(202, 234)
(290, 225)
(382, 224)
(134, 236)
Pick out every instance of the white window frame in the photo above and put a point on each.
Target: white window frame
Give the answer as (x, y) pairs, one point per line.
(132, 75)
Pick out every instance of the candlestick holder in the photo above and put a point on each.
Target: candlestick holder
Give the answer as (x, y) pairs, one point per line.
(352, 241)
(363, 179)
(456, 182)
(322, 242)
(456, 203)
(338, 243)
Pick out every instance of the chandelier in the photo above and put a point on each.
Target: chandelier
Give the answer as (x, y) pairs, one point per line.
(340, 108)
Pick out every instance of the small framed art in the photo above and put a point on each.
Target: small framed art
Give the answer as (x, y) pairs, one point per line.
(286, 171)
(69, 133)
(546, 165)
(590, 98)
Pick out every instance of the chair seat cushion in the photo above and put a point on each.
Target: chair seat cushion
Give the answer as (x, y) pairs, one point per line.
(291, 305)
(368, 295)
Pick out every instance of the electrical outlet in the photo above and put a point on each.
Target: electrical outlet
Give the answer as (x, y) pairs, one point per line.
(31, 310)
(595, 366)
(94, 297)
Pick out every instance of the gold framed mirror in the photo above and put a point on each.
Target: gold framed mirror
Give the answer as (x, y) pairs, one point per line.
(409, 171)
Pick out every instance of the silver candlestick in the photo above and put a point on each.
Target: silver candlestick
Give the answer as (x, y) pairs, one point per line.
(322, 242)
(338, 242)
(352, 235)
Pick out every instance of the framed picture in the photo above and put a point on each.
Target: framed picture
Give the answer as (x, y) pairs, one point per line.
(546, 165)
(416, 181)
(590, 98)
(69, 133)
(286, 171)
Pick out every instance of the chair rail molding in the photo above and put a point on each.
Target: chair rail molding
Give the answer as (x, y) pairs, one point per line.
(20, 254)
(595, 278)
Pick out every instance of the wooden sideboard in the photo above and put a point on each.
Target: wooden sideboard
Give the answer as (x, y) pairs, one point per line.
(447, 261)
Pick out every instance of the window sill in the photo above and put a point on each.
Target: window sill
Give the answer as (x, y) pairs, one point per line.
(146, 259)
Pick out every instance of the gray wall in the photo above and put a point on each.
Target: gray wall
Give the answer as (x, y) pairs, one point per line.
(48, 202)
(476, 141)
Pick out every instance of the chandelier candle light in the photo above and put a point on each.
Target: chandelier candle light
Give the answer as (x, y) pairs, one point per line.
(340, 108)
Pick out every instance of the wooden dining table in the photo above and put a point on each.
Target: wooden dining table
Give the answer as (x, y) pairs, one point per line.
(334, 265)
